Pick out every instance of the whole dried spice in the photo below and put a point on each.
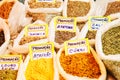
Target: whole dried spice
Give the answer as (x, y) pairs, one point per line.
(28, 39)
(8, 74)
(77, 8)
(91, 34)
(62, 36)
(34, 4)
(82, 65)
(113, 7)
(2, 39)
(111, 41)
(41, 69)
(5, 9)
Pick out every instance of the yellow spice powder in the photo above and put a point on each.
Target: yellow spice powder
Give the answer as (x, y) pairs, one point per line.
(41, 69)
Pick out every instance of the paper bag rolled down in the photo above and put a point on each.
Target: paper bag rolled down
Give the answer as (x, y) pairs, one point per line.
(68, 76)
(111, 61)
(44, 10)
(21, 74)
(81, 18)
(4, 27)
(24, 47)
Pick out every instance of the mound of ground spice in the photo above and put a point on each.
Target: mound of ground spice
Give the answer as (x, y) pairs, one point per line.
(2, 39)
(113, 7)
(62, 36)
(80, 25)
(33, 4)
(5, 9)
(82, 65)
(77, 8)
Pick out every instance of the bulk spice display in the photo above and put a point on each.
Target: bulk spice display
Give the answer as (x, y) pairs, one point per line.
(85, 65)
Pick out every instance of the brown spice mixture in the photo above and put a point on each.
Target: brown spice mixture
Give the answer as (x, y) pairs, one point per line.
(29, 39)
(33, 4)
(77, 8)
(36, 16)
(80, 25)
(91, 34)
(82, 65)
(5, 9)
(62, 36)
(113, 7)
(2, 39)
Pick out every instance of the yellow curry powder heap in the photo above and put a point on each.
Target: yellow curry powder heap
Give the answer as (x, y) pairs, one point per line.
(41, 69)
(82, 65)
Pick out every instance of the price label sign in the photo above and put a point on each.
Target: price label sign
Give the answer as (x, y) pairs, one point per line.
(45, 50)
(96, 22)
(77, 46)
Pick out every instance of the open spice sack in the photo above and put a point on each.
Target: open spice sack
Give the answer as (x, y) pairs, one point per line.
(108, 46)
(62, 29)
(9, 66)
(108, 8)
(40, 63)
(73, 64)
(4, 36)
(33, 33)
(81, 9)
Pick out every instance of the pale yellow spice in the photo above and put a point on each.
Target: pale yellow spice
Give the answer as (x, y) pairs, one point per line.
(41, 69)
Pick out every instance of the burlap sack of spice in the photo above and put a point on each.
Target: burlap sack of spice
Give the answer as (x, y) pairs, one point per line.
(4, 27)
(52, 34)
(23, 48)
(80, 10)
(107, 8)
(111, 61)
(17, 18)
(43, 9)
(21, 75)
(68, 76)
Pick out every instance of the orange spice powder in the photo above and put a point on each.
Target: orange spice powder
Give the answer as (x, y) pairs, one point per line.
(5, 9)
(82, 65)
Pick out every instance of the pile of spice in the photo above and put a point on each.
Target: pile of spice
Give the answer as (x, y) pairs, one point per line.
(28, 39)
(34, 4)
(91, 34)
(8, 74)
(2, 39)
(81, 65)
(62, 36)
(5, 9)
(111, 41)
(80, 25)
(36, 16)
(77, 8)
(113, 7)
(41, 69)
(60, 77)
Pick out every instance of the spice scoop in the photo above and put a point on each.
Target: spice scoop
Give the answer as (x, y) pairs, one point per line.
(42, 68)
(33, 33)
(108, 8)
(108, 46)
(4, 36)
(79, 66)
(44, 7)
(62, 29)
(81, 9)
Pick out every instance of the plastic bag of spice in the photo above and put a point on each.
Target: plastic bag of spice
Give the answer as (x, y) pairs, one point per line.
(40, 69)
(23, 39)
(17, 18)
(81, 9)
(60, 36)
(81, 66)
(4, 36)
(108, 46)
(108, 8)
(44, 7)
